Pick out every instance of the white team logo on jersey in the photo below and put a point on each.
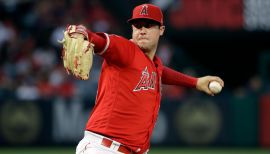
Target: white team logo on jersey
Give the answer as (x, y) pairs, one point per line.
(147, 81)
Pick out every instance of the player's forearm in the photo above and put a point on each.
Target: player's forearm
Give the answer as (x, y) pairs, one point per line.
(172, 77)
(98, 40)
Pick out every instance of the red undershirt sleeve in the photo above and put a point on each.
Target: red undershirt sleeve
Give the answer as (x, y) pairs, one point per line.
(114, 49)
(99, 41)
(172, 77)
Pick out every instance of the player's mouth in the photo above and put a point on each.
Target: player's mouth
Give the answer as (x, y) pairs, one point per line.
(142, 39)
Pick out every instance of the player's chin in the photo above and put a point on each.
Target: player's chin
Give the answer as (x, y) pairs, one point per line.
(142, 44)
(142, 47)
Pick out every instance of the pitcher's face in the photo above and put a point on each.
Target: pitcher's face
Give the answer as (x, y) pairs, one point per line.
(146, 33)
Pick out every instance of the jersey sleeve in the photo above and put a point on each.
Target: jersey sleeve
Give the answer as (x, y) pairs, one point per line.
(118, 50)
(172, 77)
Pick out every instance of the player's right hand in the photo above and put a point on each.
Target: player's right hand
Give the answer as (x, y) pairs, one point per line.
(203, 83)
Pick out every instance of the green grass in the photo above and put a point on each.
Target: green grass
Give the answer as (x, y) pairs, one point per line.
(52, 150)
(208, 151)
(49, 150)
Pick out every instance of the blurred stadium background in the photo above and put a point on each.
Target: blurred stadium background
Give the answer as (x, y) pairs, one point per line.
(43, 110)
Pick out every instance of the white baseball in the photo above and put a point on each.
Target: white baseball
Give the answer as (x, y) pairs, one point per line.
(215, 87)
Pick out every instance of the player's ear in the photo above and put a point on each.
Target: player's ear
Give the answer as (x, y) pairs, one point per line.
(161, 30)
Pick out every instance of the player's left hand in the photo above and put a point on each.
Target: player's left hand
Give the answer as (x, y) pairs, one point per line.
(203, 83)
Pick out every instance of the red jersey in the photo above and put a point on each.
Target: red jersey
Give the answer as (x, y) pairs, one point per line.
(128, 97)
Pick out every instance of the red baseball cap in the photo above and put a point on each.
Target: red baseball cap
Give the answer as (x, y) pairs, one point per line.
(147, 11)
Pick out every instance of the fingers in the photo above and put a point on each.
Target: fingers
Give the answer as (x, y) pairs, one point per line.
(207, 90)
(218, 79)
(72, 30)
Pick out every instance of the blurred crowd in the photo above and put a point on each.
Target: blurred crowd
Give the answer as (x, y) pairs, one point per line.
(30, 56)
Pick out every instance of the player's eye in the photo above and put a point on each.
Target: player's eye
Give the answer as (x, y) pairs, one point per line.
(137, 25)
(148, 25)
(144, 24)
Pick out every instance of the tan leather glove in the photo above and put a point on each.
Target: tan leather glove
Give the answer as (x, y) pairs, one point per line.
(77, 51)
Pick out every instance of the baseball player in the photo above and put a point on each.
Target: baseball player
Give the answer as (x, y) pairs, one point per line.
(129, 90)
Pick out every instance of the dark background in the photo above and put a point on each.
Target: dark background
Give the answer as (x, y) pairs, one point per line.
(233, 54)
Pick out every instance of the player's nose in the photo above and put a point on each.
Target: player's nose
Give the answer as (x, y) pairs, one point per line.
(143, 30)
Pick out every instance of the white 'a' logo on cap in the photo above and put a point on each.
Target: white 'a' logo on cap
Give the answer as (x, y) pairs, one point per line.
(144, 10)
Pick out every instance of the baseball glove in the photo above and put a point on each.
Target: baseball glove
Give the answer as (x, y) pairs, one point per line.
(77, 53)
